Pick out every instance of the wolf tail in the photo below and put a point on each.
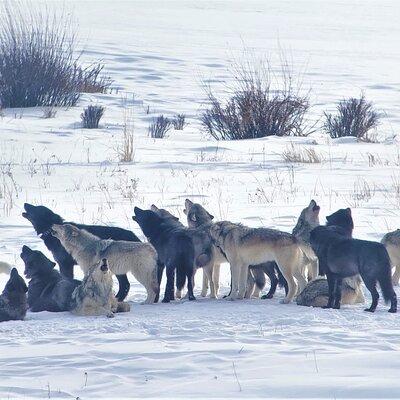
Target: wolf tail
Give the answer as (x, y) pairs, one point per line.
(385, 279)
(5, 268)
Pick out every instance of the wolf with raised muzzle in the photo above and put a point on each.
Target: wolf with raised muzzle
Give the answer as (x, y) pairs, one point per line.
(94, 296)
(138, 258)
(244, 246)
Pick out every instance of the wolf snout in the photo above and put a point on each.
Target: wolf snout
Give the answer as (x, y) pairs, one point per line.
(104, 266)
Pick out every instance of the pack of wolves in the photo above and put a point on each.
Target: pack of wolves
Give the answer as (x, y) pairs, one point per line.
(317, 265)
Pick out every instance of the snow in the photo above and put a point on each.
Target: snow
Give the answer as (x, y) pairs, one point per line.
(161, 51)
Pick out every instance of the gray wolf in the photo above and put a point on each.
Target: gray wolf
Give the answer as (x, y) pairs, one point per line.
(175, 248)
(244, 246)
(392, 243)
(48, 290)
(13, 304)
(94, 296)
(204, 250)
(87, 249)
(341, 257)
(42, 219)
(316, 293)
(5, 268)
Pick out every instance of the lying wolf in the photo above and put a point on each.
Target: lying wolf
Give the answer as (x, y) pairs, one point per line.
(341, 257)
(94, 296)
(136, 257)
(204, 250)
(48, 290)
(244, 246)
(13, 304)
(42, 219)
(5, 268)
(392, 243)
(316, 293)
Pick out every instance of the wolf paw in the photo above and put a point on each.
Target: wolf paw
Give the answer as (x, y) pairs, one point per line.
(266, 296)
(284, 301)
(392, 310)
(369, 310)
(110, 315)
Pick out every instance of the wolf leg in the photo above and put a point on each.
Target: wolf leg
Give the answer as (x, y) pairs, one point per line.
(287, 265)
(301, 281)
(67, 269)
(169, 288)
(396, 275)
(250, 284)
(331, 288)
(204, 288)
(235, 272)
(124, 287)
(207, 272)
(337, 293)
(215, 275)
(242, 285)
(371, 286)
(190, 278)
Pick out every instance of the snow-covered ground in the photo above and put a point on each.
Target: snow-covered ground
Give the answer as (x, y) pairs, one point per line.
(161, 51)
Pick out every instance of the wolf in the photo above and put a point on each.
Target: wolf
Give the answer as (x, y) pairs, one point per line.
(341, 257)
(175, 248)
(94, 296)
(42, 219)
(5, 268)
(204, 251)
(392, 243)
(87, 249)
(316, 293)
(244, 246)
(48, 290)
(13, 303)
(342, 218)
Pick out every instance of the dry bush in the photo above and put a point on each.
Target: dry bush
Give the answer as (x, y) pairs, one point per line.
(179, 122)
(91, 116)
(354, 117)
(260, 104)
(159, 127)
(125, 150)
(49, 112)
(38, 62)
(306, 155)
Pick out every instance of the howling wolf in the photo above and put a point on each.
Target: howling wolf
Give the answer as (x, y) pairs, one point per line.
(94, 296)
(136, 257)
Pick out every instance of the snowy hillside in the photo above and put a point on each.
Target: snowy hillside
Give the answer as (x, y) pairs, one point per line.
(158, 53)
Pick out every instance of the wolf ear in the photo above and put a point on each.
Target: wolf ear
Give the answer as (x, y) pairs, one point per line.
(53, 264)
(14, 273)
(348, 210)
(75, 231)
(153, 208)
(211, 216)
(185, 211)
(134, 218)
(193, 217)
(312, 203)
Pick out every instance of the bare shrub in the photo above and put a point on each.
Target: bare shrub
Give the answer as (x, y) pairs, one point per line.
(159, 127)
(38, 62)
(307, 155)
(179, 121)
(91, 79)
(125, 150)
(260, 104)
(91, 116)
(49, 112)
(354, 117)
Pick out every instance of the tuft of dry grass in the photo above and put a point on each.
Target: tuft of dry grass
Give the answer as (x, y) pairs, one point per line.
(296, 154)
(125, 149)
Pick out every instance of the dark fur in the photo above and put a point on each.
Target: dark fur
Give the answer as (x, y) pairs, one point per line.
(13, 304)
(175, 250)
(340, 256)
(342, 218)
(48, 290)
(42, 219)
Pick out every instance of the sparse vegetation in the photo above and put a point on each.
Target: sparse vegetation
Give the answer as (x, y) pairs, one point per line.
(39, 64)
(159, 127)
(179, 121)
(259, 104)
(91, 116)
(306, 155)
(354, 117)
(125, 149)
(49, 112)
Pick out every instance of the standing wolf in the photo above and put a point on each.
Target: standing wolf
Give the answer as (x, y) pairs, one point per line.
(392, 243)
(340, 257)
(244, 246)
(136, 257)
(13, 304)
(94, 296)
(42, 219)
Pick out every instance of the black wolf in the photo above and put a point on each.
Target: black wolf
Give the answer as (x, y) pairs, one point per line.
(48, 290)
(175, 250)
(42, 219)
(13, 304)
(340, 257)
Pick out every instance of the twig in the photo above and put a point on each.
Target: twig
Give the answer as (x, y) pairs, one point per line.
(236, 377)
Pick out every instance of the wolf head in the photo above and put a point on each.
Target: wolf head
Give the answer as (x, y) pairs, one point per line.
(100, 272)
(164, 214)
(219, 231)
(148, 221)
(36, 263)
(15, 285)
(343, 219)
(41, 217)
(66, 232)
(196, 214)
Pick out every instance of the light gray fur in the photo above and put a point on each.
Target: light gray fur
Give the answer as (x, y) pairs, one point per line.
(5, 268)
(138, 258)
(392, 243)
